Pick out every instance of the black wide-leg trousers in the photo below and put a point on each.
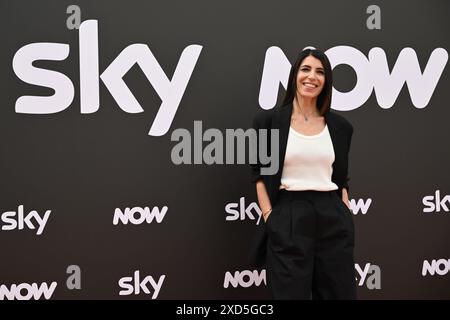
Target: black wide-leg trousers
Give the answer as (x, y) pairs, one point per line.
(310, 246)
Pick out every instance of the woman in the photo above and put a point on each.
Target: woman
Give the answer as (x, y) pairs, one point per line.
(307, 240)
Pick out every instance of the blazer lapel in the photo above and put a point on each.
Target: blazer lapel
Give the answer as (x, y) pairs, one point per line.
(332, 128)
(338, 140)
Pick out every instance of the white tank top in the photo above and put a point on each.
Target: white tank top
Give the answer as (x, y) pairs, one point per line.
(308, 162)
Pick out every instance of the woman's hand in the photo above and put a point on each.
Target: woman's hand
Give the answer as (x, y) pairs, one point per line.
(345, 198)
(263, 200)
(266, 214)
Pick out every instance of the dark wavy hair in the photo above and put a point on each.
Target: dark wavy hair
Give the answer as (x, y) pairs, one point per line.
(324, 98)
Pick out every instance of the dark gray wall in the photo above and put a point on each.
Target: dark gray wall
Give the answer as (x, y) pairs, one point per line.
(84, 166)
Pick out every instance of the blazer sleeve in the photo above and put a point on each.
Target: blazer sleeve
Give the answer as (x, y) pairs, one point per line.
(349, 142)
(260, 121)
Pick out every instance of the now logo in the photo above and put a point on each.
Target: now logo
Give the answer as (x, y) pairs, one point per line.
(244, 278)
(360, 206)
(370, 275)
(170, 91)
(372, 73)
(240, 211)
(435, 203)
(138, 215)
(134, 285)
(440, 266)
(26, 291)
(18, 220)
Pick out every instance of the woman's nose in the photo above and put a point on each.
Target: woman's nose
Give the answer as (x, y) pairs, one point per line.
(312, 75)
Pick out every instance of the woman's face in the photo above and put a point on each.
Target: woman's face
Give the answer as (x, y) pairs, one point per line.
(310, 77)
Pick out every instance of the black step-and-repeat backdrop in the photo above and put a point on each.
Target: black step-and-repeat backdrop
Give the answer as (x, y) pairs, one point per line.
(117, 176)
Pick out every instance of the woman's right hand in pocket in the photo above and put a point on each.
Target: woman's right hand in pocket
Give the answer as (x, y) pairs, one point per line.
(266, 214)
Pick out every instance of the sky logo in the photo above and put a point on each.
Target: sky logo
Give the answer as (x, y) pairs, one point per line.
(240, 211)
(18, 220)
(436, 203)
(134, 285)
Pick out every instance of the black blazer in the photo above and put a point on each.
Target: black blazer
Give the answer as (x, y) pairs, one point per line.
(341, 131)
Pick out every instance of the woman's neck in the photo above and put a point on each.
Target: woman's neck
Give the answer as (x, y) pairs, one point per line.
(305, 106)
